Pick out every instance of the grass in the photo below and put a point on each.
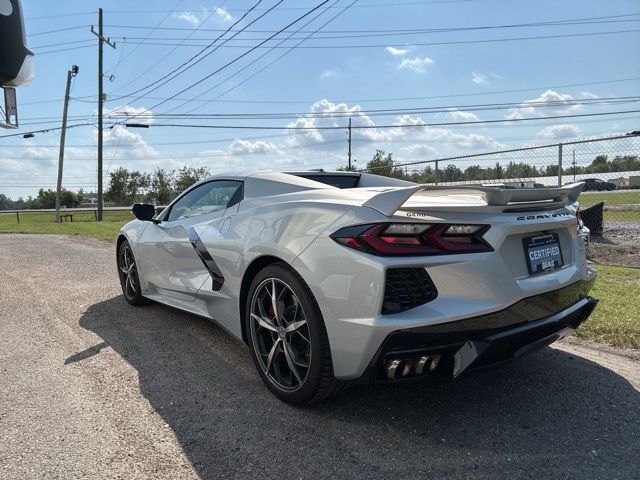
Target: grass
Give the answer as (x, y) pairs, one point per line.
(610, 198)
(83, 224)
(616, 319)
(622, 215)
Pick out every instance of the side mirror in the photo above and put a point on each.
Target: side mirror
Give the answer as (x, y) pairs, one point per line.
(144, 212)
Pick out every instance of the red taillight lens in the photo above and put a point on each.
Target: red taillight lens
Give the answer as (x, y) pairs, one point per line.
(402, 239)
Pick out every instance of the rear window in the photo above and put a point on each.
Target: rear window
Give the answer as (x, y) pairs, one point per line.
(340, 181)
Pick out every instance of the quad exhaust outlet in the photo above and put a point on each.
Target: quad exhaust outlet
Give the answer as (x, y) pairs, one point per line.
(411, 366)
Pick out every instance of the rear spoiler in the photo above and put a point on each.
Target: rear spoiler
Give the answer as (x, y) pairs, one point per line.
(389, 201)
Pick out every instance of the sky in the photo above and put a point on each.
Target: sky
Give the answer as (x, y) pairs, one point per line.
(387, 64)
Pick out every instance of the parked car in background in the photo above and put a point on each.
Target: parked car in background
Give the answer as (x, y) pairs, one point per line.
(595, 184)
(336, 277)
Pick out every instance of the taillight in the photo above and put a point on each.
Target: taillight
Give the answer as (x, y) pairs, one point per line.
(393, 239)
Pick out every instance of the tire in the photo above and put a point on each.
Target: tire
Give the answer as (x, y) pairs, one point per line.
(288, 336)
(128, 275)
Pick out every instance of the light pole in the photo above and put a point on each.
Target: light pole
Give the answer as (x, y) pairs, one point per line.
(72, 72)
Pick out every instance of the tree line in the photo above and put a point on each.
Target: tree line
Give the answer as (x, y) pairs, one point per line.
(127, 187)
(384, 164)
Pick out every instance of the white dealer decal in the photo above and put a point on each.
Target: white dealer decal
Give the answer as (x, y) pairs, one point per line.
(544, 253)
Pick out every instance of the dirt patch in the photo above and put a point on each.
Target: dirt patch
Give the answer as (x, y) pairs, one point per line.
(623, 255)
(619, 244)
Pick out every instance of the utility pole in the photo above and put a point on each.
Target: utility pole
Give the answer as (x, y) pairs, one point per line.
(574, 164)
(63, 132)
(349, 144)
(101, 40)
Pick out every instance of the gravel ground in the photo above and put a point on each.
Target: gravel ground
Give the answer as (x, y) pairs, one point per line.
(619, 244)
(93, 388)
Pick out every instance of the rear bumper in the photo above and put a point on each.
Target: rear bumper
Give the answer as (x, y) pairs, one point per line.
(475, 343)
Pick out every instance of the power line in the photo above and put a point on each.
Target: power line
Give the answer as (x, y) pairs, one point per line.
(152, 30)
(231, 62)
(361, 46)
(185, 65)
(63, 50)
(572, 21)
(412, 44)
(269, 51)
(47, 32)
(45, 130)
(364, 5)
(173, 49)
(266, 127)
(438, 124)
(73, 42)
(395, 111)
(71, 14)
(262, 137)
(401, 99)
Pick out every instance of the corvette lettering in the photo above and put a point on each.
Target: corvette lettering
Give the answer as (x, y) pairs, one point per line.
(544, 216)
(417, 214)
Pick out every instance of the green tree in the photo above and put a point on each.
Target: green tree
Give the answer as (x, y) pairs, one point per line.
(69, 199)
(126, 187)
(187, 176)
(45, 199)
(161, 186)
(427, 175)
(451, 174)
(382, 164)
(5, 202)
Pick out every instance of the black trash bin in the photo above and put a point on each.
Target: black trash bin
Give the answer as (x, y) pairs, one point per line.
(593, 218)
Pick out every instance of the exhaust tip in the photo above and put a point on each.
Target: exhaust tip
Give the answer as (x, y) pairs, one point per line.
(414, 366)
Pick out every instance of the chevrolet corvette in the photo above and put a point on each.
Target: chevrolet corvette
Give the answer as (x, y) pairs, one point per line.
(339, 277)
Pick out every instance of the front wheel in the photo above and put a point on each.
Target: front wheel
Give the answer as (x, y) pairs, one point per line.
(287, 337)
(128, 273)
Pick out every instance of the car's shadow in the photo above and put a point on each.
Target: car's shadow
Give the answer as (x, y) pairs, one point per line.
(548, 414)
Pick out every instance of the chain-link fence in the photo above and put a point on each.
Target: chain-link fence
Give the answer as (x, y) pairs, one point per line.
(609, 166)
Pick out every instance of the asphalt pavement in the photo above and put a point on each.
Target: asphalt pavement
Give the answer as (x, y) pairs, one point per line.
(91, 387)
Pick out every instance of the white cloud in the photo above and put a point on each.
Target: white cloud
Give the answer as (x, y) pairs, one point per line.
(223, 14)
(589, 95)
(187, 17)
(420, 149)
(418, 64)
(446, 136)
(559, 131)
(312, 134)
(397, 52)
(549, 103)
(479, 79)
(462, 116)
(328, 73)
(240, 146)
(145, 116)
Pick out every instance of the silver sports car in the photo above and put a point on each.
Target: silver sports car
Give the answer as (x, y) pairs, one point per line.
(338, 277)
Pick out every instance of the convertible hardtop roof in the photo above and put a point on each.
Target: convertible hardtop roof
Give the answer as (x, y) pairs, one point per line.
(266, 183)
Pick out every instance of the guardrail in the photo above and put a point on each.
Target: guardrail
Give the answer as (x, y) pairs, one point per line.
(17, 213)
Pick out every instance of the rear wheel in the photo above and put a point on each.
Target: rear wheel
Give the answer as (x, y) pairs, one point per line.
(128, 273)
(287, 337)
